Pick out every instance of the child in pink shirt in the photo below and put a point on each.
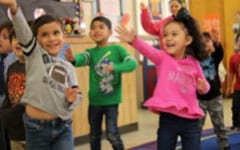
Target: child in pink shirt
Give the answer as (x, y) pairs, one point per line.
(179, 79)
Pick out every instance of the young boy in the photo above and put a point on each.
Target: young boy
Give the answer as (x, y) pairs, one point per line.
(212, 102)
(12, 110)
(106, 63)
(51, 91)
(6, 58)
(234, 81)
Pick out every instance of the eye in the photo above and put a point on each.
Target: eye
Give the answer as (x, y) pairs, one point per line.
(56, 32)
(43, 34)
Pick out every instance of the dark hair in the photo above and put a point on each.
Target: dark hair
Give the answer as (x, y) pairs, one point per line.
(44, 20)
(207, 35)
(7, 25)
(196, 48)
(102, 19)
(179, 1)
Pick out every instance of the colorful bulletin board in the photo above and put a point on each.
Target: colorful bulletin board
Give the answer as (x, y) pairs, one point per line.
(212, 21)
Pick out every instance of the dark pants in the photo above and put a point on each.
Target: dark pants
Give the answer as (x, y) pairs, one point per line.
(171, 126)
(4, 141)
(236, 109)
(95, 118)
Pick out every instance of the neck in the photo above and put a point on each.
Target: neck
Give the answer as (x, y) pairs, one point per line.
(21, 59)
(102, 44)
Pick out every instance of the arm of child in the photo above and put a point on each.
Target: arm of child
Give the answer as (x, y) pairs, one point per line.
(141, 46)
(202, 84)
(21, 27)
(151, 27)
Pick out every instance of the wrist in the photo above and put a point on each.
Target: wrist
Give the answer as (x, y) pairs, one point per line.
(13, 8)
(133, 39)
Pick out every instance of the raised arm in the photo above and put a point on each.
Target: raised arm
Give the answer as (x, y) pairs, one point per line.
(23, 31)
(150, 26)
(144, 48)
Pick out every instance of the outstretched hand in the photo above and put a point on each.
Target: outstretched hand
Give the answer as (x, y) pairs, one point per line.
(69, 56)
(124, 34)
(142, 5)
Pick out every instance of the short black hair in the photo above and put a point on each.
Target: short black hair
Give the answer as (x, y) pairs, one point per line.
(104, 20)
(8, 26)
(45, 19)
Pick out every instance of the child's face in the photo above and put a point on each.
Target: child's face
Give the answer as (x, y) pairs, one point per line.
(176, 39)
(5, 45)
(51, 37)
(208, 44)
(175, 7)
(16, 48)
(99, 32)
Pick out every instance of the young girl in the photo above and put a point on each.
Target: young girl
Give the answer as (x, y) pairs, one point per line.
(51, 91)
(179, 79)
(156, 28)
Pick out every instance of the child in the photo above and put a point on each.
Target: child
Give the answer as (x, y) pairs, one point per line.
(12, 109)
(6, 58)
(156, 28)
(212, 102)
(179, 77)
(233, 72)
(51, 91)
(106, 62)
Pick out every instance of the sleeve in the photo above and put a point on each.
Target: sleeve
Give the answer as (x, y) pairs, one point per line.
(154, 28)
(82, 59)
(23, 32)
(128, 64)
(218, 54)
(201, 76)
(11, 114)
(147, 50)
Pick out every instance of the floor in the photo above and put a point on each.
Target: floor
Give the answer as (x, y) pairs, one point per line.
(147, 129)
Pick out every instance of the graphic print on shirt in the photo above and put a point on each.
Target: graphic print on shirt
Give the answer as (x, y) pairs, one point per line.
(16, 87)
(57, 74)
(208, 68)
(183, 76)
(106, 77)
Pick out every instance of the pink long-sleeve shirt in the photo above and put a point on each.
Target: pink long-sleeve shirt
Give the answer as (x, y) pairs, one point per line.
(176, 88)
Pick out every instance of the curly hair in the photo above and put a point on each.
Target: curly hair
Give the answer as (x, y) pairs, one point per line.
(196, 48)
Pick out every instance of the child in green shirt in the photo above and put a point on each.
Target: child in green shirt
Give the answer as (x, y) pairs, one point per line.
(106, 63)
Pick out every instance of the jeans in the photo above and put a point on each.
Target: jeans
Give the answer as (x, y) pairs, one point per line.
(53, 134)
(95, 118)
(171, 126)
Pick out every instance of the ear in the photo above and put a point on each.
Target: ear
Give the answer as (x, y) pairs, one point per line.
(189, 40)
